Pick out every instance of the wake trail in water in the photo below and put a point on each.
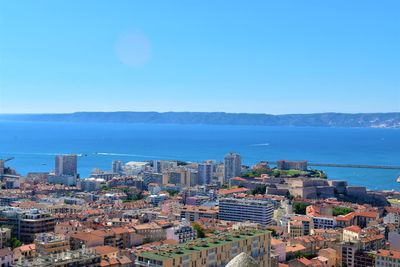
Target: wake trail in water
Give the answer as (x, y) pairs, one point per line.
(262, 144)
(123, 155)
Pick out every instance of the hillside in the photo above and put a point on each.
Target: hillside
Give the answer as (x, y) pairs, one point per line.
(371, 120)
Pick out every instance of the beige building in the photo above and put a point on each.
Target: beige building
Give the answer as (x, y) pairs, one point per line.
(5, 236)
(300, 225)
(293, 249)
(25, 251)
(295, 229)
(82, 257)
(68, 227)
(387, 258)
(194, 213)
(48, 243)
(121, 237)
(330, 254)
(107, 252)
(82, 239)
(212, 251)
(351, 233)
(151, 232)
(348, 252)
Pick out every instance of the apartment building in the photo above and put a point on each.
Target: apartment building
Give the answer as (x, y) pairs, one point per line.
(348, 252)
(80, 240)
(300, 226)
(386, 258)
(324, 222)
(181, 233)
(82, 257)
(240, 210)
(6, 257)
(26, 224)
(151, 232)
(120, 237)
(66, 165)
(49, 243)
(214, 251)
(364, 259)
(194, 213)
(5, 236)
(232, 166)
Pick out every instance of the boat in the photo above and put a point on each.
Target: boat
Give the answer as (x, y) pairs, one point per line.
(398, 179)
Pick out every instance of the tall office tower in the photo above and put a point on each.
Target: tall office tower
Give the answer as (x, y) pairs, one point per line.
(117, 166)
(205, 172)
(157, 166)
(66, 165)
(232, 165)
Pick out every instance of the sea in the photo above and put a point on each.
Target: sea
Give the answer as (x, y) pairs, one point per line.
(34, 145)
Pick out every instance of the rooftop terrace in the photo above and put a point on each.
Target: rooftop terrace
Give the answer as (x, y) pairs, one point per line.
(169, 252)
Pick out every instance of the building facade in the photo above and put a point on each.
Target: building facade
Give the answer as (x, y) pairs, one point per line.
(240, 210)
(232, 166)
(181, 233)
(211, 252)
(292, 165)
(386, 258)
(205, 173)
(66, 165)
(48, 243)
(25, 224)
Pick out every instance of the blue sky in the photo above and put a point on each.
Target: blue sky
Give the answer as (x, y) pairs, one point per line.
(298, 56)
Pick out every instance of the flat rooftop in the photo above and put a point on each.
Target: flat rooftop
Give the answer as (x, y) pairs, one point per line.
(170, 252)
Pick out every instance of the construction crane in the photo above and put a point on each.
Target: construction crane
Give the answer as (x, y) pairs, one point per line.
(7, 159)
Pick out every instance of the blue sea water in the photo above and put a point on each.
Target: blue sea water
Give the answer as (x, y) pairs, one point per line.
(34, 145)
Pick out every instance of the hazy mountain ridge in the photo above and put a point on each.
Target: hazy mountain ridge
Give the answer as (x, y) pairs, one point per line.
(370, 120)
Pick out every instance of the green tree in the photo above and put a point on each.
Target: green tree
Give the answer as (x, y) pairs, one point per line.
(341, 211)
(289, 196)
(260, 189)
(225, 186)
(134, 196)
(104, 188)
(200, 230)
(15, 243)
(172, 192)
(273, 232)
(300, 207)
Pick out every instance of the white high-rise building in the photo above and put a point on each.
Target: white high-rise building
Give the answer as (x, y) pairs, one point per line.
(232, 165)
(66, 165)
(117, 166)
(205, 173)
(160, 166)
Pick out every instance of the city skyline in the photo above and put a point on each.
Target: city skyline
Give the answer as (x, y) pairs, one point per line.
(199, 133)
(231, 57)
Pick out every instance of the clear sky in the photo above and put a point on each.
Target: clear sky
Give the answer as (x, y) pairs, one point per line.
(298, 56)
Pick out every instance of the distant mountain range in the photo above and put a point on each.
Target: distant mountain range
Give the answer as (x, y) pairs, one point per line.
(370, 120)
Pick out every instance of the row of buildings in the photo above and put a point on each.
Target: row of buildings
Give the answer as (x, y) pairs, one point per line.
(151, 214)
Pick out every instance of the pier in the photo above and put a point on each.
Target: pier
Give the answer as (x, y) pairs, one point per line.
(338, 165)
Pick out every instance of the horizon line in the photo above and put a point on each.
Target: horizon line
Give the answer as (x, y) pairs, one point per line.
(223, 112)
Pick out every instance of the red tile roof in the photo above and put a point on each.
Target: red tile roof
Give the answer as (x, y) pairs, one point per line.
(232, 191)
(389, 253)
(353, 228)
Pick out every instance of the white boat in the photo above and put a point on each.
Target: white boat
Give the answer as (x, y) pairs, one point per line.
(398, 179)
